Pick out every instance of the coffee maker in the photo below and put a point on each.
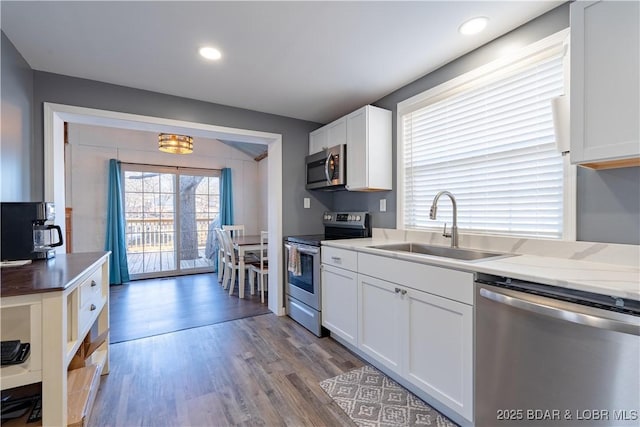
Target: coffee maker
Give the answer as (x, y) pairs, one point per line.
(28, 231)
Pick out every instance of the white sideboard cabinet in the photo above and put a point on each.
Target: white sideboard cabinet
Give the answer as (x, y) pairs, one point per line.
(53, 305)
(605, 83)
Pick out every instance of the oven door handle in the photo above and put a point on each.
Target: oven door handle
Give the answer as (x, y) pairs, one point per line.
(304, 251)
(565, 315)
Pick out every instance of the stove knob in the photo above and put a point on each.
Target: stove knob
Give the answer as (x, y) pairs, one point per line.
(357, 217)
(350, 218)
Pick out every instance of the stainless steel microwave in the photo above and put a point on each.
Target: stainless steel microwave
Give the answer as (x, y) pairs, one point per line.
(326, 170)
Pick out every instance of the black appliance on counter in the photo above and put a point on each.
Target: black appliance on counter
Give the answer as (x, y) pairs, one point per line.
(303, 286)
(27, 231)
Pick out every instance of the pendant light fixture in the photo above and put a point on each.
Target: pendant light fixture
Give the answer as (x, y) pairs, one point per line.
(175, 144)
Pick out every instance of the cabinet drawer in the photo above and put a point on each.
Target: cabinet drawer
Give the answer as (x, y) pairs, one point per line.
(447, 283)
(91, 288)
(340, 258)
(88, 315)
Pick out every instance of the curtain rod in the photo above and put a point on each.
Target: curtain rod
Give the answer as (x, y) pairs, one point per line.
(167, 166)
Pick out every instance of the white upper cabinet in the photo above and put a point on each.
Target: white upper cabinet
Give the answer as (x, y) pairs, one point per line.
(335, 133)
(369, 149)
(318, 140)
(367, 134)
(605, 83)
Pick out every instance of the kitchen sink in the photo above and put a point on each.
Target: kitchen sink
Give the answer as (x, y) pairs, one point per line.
(441, 251)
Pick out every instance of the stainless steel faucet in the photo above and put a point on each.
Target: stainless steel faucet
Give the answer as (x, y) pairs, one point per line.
(454, 229)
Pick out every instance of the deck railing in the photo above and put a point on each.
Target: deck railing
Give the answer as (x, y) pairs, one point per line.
(153, 234)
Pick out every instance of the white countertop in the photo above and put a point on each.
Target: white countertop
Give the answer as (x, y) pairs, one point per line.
(602, 278)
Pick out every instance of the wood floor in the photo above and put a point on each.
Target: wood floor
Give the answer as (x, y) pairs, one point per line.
(144, 308)
(257, 371)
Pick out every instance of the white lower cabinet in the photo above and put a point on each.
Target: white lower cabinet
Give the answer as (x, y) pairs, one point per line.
(340, 302)
(417, 321)
(379, 323)
(439, 357)
(411, 319)
(425, 338)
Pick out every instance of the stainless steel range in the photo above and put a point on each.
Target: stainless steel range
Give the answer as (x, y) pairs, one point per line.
(303, 286)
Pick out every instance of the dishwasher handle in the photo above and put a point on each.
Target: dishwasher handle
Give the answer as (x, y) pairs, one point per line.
(569, 316)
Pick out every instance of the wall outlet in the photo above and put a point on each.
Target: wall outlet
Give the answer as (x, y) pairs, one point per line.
(383, 205)
(307, 203)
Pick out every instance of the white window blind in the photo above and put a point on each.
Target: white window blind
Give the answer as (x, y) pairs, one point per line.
(491, 143)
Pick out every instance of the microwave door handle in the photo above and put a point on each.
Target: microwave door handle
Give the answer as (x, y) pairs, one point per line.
(326, 167)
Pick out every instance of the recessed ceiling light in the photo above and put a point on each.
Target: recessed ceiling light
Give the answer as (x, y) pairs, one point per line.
(210, 53)
(473, 25)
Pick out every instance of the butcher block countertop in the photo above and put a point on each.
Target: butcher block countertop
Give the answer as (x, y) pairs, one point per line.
(55, 274)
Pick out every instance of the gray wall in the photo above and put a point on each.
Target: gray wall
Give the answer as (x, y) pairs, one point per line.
(608, 202)
(609, 205)
(61, 89)
(16, 135)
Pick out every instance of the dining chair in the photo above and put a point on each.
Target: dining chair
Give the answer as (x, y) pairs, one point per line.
(260, 269)
(236, 230)
(221, 255)
(231, 263)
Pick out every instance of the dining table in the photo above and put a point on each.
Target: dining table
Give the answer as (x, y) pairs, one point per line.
(244, 245)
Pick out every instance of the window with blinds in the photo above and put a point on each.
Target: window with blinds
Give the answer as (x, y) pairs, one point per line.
(491, 142)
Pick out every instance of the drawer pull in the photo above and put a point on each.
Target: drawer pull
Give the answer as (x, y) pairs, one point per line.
(336, 258)
(93, 307)
(93, 283)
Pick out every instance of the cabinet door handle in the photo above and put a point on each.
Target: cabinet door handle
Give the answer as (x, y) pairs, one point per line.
(93, 307)
(397, 290)
(403, 292)
(93, 283)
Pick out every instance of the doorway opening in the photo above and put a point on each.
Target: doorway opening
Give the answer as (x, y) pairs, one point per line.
(56, 114)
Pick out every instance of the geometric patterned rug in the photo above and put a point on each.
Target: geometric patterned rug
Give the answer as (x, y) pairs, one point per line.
(371, 399)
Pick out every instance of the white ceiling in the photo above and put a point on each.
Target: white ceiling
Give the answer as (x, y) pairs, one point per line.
(309, 60)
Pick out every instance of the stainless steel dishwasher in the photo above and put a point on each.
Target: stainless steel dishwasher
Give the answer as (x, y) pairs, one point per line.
(547, 356)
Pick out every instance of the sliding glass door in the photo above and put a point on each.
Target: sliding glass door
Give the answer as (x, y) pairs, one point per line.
(169, 213)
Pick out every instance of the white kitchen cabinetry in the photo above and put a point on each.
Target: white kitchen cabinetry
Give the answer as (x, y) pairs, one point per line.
(318, 140)
(439, 357)
(340, 293)
(380, 329)
(417, 320)
(605, 83)
(335, 133)
(369, 149)
(367, 134)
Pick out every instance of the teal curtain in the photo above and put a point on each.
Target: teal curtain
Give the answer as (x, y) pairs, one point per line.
(226, 198)
(115, 239)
